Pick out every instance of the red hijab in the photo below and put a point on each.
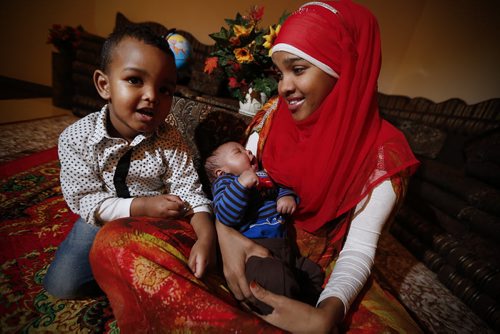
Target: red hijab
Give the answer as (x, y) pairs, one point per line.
(337, 155)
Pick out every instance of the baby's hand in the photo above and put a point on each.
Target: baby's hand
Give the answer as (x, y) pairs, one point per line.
(248, 179)
(286, 205)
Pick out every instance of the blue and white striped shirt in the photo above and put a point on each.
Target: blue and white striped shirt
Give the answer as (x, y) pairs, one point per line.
(251, 211)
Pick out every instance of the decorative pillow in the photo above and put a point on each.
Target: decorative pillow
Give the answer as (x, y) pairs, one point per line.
(482, 157)
(423, 139)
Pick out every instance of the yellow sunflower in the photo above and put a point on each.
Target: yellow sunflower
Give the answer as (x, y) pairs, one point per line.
(243, 55)
(242, 31)
(273, 33)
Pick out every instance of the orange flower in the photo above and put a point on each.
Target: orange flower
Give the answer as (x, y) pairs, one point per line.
(210, 64)
(243, 55)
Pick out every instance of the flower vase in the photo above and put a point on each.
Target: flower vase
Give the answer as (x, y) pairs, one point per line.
(62, 84)
(254, 101)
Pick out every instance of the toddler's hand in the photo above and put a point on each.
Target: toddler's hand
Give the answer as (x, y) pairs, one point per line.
(203, 253)
(202, 256)
(163, 206)
(248, 179)
(286, 205)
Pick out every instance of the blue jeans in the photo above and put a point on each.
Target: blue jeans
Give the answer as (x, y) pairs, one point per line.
(70, 276)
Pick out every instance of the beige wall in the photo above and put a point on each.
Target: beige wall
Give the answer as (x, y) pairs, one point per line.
(434, 49)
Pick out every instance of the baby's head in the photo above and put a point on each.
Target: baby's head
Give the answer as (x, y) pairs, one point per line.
(230, 157)
(137, 77)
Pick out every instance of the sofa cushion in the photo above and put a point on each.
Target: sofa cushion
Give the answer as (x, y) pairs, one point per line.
(424, 140)
(205, 126)
(482, 157)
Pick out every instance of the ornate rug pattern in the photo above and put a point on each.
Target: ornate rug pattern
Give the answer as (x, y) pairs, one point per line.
(34, 221)
(24, 138)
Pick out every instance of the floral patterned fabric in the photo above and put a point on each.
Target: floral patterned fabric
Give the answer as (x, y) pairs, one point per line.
(141, 264)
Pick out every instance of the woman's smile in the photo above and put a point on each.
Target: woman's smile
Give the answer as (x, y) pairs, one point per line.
(294, 103)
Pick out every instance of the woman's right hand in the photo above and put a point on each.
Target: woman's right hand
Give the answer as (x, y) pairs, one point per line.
(236, 249)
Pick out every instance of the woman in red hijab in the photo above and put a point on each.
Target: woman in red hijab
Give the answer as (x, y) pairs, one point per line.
(324, 138)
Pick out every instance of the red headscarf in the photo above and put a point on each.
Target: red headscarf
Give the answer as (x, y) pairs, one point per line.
(337, 155)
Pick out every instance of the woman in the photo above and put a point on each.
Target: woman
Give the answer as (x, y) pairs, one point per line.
(323, 138)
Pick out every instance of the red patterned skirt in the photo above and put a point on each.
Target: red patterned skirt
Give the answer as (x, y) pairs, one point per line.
(141, 264)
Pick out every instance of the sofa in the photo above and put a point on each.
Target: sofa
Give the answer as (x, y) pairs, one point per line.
(450, 219)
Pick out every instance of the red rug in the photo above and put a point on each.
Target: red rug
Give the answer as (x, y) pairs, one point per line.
(34, 220)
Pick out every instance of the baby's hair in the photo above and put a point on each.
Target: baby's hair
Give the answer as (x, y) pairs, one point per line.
(211, 164)
(138, 31)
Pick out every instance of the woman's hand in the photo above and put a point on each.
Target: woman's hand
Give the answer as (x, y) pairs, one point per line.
(236, 249)
(297, 317)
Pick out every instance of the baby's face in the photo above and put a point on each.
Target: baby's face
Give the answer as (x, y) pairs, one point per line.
(235, 159)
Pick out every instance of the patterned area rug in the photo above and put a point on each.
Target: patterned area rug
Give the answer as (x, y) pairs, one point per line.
(24, 138)
(34, 221)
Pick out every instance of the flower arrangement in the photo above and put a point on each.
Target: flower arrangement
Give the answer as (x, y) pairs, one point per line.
(242, 53)
(64, 38)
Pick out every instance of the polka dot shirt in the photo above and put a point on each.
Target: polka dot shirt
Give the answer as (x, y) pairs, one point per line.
(161, 163)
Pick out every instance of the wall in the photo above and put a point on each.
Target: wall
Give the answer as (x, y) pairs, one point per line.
(24, 28)
(434, 49)
(453, 50)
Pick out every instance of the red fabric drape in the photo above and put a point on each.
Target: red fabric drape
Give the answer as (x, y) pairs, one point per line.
(333, 158)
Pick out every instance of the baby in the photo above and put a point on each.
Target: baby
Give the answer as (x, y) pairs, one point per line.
(247, 199)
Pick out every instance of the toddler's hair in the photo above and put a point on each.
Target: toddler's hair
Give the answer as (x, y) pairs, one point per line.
(138, 31)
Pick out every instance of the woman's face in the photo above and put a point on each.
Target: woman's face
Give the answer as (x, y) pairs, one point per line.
(302, 85)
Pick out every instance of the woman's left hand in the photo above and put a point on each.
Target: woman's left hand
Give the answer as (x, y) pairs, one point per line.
(297, 317)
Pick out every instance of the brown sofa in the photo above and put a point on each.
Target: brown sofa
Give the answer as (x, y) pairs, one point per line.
(450, 219)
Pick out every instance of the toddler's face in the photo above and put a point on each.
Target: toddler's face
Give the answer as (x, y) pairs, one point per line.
(302, 85)
(235, 159)
(141, 85)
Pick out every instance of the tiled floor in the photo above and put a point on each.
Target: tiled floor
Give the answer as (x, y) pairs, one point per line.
(434, 307)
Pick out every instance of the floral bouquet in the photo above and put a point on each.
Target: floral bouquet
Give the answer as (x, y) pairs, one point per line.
(242, 53)
(64, 38)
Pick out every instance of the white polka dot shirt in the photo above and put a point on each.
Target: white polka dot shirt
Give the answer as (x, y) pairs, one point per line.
(161, 163)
